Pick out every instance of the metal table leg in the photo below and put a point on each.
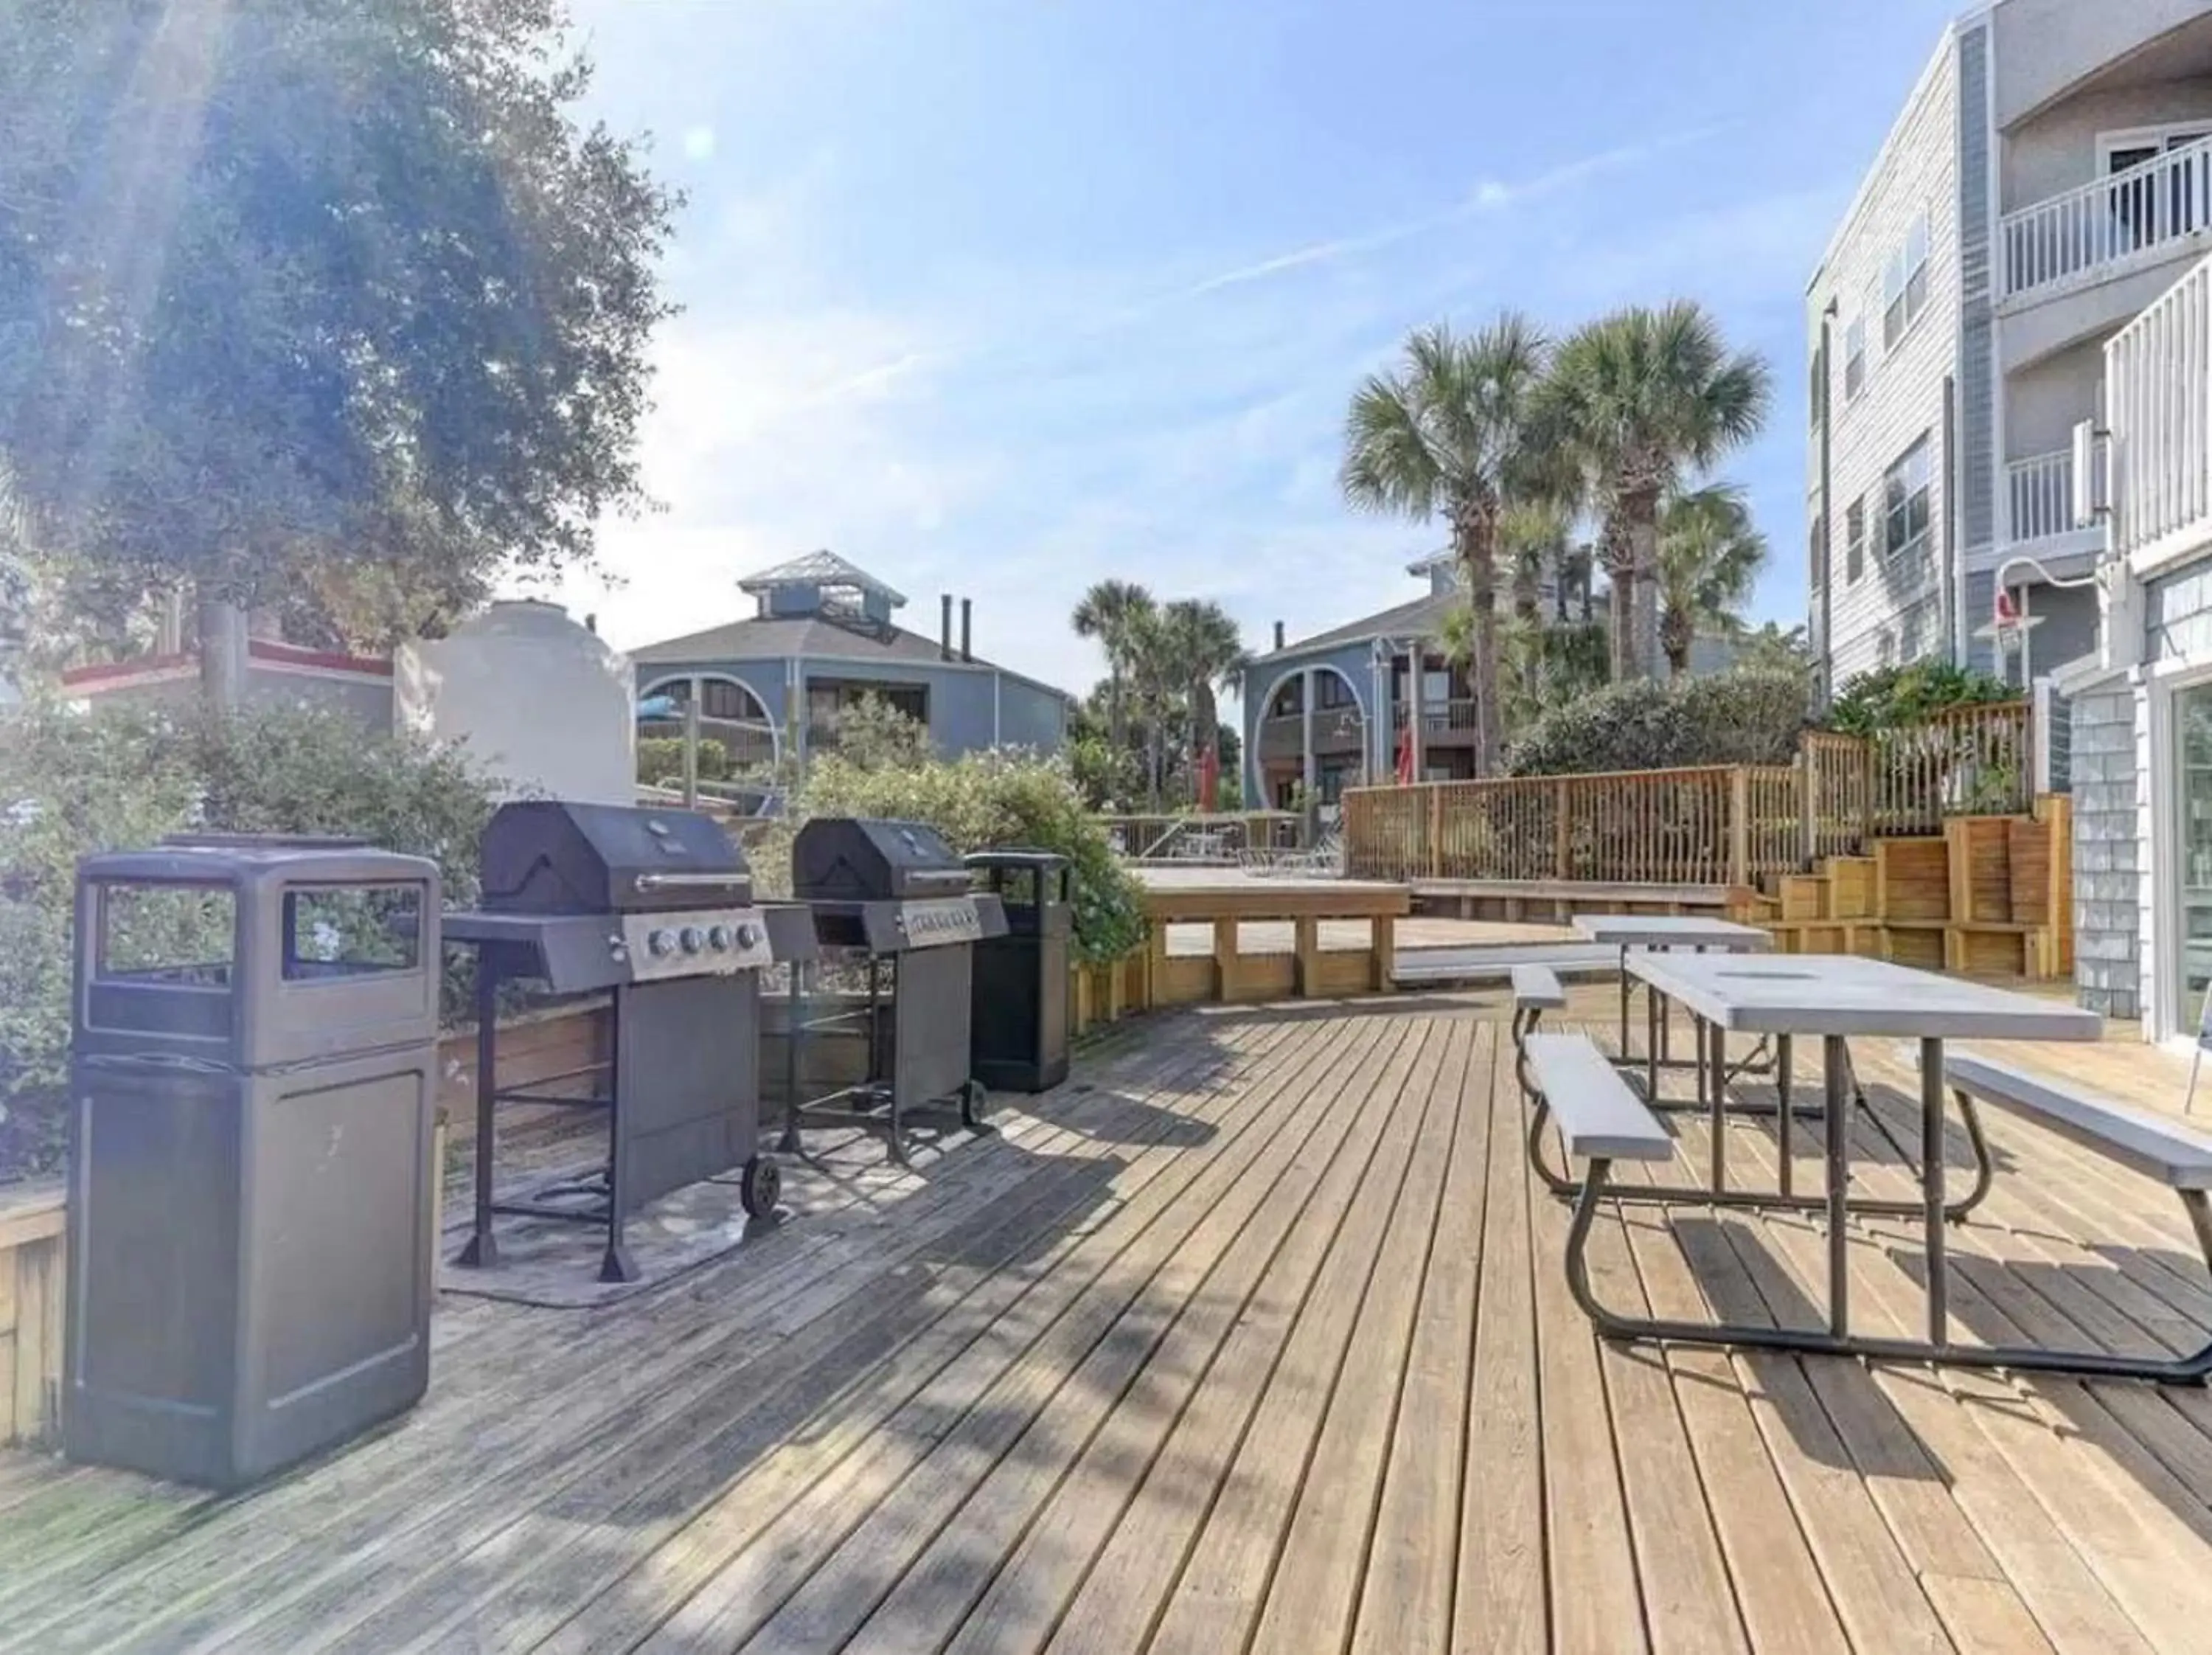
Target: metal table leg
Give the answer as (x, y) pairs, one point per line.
(1835, 1061)
(1931, 1189)
(1712, 1042)
(1624, 1000)
(1784, 1115)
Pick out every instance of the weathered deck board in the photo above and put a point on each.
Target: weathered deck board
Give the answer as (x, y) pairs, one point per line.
(1255, 1338)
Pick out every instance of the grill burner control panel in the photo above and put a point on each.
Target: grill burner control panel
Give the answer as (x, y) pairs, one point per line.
(707, 942)
(933, 924)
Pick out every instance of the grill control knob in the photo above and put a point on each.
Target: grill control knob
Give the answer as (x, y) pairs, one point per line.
(749, 935)
(661, 943)
(718, 938)
(694, 938)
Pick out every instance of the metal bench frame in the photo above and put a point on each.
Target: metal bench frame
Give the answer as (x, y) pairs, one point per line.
(1717, 1193)
(1596, 1188)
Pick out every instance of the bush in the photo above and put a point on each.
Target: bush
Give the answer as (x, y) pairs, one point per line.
(1895, 697)
(978, 801)
(1747, 716)
(660, 760)
(122, 778)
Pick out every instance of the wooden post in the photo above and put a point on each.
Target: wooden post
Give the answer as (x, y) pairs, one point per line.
(1308, 948)
(1739, 825)
(1384, 944)
(1808, 804)
(1436, 828)
(1561, 853)
(1225, 960)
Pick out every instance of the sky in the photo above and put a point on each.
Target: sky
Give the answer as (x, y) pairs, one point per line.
(1004, 297)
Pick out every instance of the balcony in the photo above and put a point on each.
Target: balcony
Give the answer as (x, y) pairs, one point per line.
(2039, 505)
(2158, 379)
(2108, 227)
(1442, 722)
(1337, 731)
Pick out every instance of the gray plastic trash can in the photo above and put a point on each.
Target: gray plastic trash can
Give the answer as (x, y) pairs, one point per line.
(254, 1077)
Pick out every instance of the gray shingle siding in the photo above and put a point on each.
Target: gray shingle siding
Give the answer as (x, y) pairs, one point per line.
(2107, 856)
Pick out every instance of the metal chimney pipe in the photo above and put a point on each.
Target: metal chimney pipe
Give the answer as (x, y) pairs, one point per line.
(967, 615)
(1279, 637)
(945, 634)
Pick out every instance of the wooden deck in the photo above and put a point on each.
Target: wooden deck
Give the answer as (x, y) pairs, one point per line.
(1255, 1338)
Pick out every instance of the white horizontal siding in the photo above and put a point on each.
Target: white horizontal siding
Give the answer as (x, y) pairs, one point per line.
(1903, 397)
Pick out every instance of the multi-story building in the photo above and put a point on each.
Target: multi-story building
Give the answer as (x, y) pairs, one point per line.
(2048, 176)
(772, 685)
(1327, 712)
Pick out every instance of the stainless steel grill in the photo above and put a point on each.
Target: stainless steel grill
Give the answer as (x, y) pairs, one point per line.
(655, 907)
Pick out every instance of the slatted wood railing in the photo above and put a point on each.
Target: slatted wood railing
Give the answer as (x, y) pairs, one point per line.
(1708, 825)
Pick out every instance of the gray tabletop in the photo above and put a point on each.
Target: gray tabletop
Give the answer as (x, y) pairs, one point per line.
(1842, 994)
(1672, 931)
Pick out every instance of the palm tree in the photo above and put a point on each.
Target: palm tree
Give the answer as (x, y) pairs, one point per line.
(1533, 537)
(1643, 397)
(1451, 434)
(1115, 612)
(1199, 648)
(1709, 554)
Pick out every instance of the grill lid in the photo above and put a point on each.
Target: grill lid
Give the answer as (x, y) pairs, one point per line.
(546, 856)
(854, 858)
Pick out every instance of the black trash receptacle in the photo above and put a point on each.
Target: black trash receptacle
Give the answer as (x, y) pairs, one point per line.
(1018, 1036)
(254, 1092)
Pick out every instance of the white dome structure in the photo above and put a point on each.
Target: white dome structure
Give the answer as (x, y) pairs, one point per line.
(543, 703)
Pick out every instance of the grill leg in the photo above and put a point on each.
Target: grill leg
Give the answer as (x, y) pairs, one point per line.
(789, 1143)
(617, 1265)
(480, 1252)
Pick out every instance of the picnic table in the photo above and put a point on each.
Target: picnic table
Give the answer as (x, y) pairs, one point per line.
(1666, 932)
(1836, 999)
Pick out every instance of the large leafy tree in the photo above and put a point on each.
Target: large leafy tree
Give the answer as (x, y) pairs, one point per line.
(1709, 556)
(1452, 434)
(329, 303)
(1644, 397)
(1199, 649)
(1118, 615)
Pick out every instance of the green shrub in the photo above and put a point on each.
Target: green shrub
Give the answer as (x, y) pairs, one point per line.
(660, 760)
(121, 778)
(1747, 716)
(978, 801)
(1895, 697)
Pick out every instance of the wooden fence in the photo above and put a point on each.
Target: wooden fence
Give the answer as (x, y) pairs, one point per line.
(1719, 825)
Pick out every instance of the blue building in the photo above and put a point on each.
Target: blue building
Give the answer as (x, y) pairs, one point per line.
(822, 639)
(1324, 713)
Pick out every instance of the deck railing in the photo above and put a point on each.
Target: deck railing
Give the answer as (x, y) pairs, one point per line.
(1722, 824)
(2157, 387)
(2039, 497)
(1190, 836)
(2109, 223)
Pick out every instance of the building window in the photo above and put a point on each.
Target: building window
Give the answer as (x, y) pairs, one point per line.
(1816, 383)
(1290, 700)
(1816, 566)
(1330, 690)
(1905, 283)
(1855, 359)
(1905, 503)
(1855, 534)
(1885, 649)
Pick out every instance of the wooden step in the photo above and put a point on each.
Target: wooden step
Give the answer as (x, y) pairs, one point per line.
(1804, 897)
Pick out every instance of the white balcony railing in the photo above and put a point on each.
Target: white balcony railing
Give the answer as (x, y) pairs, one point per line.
(2158, 388)
(2039, 497)
(2113, 222)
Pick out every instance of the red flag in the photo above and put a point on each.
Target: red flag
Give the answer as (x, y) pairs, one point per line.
(1405, 757)
(1209, 779)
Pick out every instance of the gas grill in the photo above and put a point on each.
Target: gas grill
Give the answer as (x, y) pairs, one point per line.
(655, 907)
(893, 900)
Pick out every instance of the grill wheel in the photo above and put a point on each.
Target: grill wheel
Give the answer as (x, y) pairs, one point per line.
(762, 1186)
(975, 1106)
